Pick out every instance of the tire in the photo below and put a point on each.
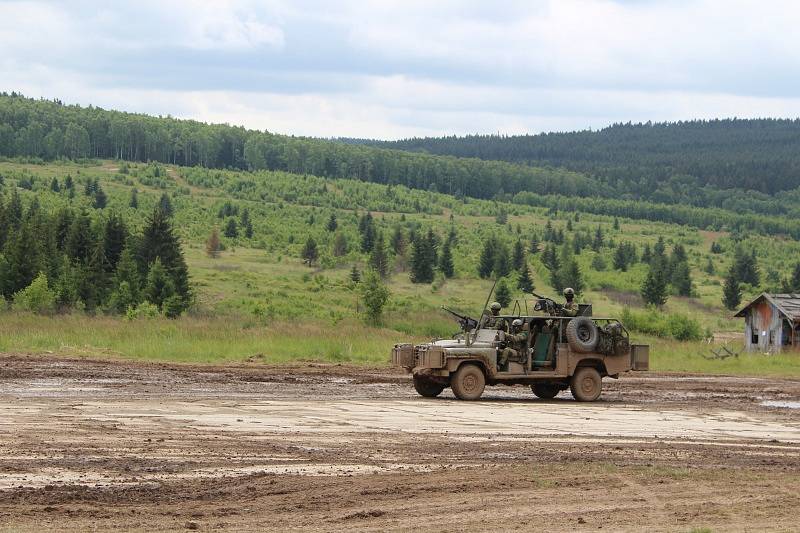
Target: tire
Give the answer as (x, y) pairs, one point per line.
(545, 391)
(427, 388)
(468, 382)
(586, 384)
(582, 334)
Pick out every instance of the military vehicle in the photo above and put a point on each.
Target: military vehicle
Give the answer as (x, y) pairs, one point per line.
(560, 352)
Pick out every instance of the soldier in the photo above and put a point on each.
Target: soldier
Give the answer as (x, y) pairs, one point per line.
(515, 343)
(570, 308)
(493, 321)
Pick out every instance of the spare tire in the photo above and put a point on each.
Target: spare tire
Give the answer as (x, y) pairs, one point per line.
(582, 334)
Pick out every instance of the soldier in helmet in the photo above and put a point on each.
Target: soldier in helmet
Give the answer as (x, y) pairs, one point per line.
(515, 343)
(570, 308)
(493, 321)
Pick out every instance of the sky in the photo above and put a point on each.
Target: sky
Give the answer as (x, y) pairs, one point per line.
(396, 69)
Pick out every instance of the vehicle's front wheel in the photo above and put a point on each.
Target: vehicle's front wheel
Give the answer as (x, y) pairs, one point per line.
(427, 388)
(546, 391)
(468, 382)
(586, 384)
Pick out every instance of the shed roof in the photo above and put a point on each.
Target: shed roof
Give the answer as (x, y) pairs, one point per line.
(788, 304)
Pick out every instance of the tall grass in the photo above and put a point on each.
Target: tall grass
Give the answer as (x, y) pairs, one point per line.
(230, 339)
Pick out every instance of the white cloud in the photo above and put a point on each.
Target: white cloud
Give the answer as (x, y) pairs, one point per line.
(393, 69)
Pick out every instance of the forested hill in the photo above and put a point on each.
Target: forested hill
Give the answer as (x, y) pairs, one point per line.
(758, 154)
(626, 170)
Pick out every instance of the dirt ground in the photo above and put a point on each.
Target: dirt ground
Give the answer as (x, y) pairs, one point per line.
(132, 446)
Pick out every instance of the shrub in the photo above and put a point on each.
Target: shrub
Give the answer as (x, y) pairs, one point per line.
(652, 322)
(143, 310)
(36, 297)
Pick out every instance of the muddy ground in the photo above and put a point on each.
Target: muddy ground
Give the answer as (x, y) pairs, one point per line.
(131, 446)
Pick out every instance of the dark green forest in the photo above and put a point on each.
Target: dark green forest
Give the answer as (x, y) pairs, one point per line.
(750, 154)
(693, 173)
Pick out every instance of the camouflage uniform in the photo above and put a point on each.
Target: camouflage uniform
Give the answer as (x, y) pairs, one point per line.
(515, 344)
(570, 308)
(493, 321)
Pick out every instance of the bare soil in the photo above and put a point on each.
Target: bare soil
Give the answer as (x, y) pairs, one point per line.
(136, 446)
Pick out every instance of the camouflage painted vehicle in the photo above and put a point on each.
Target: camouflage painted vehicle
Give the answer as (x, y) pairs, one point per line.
(560, 352)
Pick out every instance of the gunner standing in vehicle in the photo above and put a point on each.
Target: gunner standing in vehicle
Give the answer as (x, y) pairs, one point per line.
(570, 308)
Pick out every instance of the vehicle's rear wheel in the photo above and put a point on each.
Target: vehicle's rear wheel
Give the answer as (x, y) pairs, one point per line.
(546, 391)
(426, 387)
(586, 384)
(468, 382)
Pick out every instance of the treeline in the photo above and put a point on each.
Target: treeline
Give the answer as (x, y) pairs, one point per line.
(71, 259)
(705, 218)
(49, 130)
(750, 154)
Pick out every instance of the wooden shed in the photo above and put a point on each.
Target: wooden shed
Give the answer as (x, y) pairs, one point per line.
(771, 322)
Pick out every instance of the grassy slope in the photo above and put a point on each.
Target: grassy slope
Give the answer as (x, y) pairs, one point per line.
(258, 300)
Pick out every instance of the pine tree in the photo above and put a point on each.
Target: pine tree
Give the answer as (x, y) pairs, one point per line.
(213, 244)
(100, 198)
(127, 284)
(746, 267)
(368, 235)
(487, 258)
(716, 248)
(67, 285)
(158, 285)
(502, 261)
(518, 257)
(421, 261)
(571, 276)
(247, 224)
(654, 288)
(731, 291)
(332, 224)
(340, 245)
(616, 223)
(569, 225)
(80, 239)
(310, 253)
(95, 290)
(165, 204)
(398, 241)
(378, 258)
(133, 203)
(533, 247)
(159, 241)
(69, 184)
(647, 255)
(681, 279)
(524, 281)
(620, 258)
(355, 275)
(446, 261)
(54, 185)
(115, 235)
(597, 242)
(231, 229)
(22, 258)
(502, 293)
(550, 258)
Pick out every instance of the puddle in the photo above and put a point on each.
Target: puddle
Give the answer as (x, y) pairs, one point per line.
(781, 403)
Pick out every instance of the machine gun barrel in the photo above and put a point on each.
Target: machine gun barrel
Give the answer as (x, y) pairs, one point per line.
(467, 323)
